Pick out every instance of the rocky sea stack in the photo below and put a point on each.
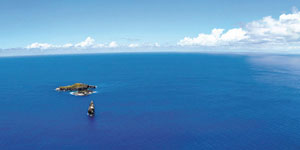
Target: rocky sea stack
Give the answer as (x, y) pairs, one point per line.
(91, 110)
(80, 89)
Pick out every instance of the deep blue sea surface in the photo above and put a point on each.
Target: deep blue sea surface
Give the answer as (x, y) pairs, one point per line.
(151, 102)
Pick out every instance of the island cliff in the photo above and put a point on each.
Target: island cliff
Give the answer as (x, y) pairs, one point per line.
(76, 87)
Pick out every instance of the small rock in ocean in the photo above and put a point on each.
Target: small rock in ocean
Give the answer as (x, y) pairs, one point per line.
(82, 92)
(91, 110)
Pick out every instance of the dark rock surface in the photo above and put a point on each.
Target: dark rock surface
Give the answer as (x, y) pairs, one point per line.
(91, 110)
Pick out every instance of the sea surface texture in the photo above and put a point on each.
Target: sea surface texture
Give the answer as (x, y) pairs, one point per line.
(151, 102)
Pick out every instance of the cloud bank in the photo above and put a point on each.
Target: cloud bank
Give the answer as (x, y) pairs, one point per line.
(87, 43)
(267, 33)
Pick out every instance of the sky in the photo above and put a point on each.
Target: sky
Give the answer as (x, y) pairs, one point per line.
(136, 25)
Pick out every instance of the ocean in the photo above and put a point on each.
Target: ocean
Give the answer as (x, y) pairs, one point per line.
(151, 101)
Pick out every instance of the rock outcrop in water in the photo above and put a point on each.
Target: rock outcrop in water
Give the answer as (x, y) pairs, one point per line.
(76, 87)
(80, 89)
(91, 110)
(83, 92)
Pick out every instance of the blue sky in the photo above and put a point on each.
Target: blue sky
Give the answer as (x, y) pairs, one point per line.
(166, 22)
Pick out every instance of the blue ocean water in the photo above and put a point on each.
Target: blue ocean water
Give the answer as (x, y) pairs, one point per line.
(151, 102)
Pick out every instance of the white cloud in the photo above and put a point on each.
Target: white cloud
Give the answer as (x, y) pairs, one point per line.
(149, 45)
(39, 46)
(86, 43)
(133, 45)
(98, 45)
(234, 35)
(265, 33)
(68, 45)
(156, 45)
(216, 38)
(113, 44)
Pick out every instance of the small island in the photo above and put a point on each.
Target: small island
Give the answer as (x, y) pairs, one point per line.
(80, 89)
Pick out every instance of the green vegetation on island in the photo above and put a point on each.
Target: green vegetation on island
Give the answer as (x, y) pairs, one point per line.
(76, 87)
